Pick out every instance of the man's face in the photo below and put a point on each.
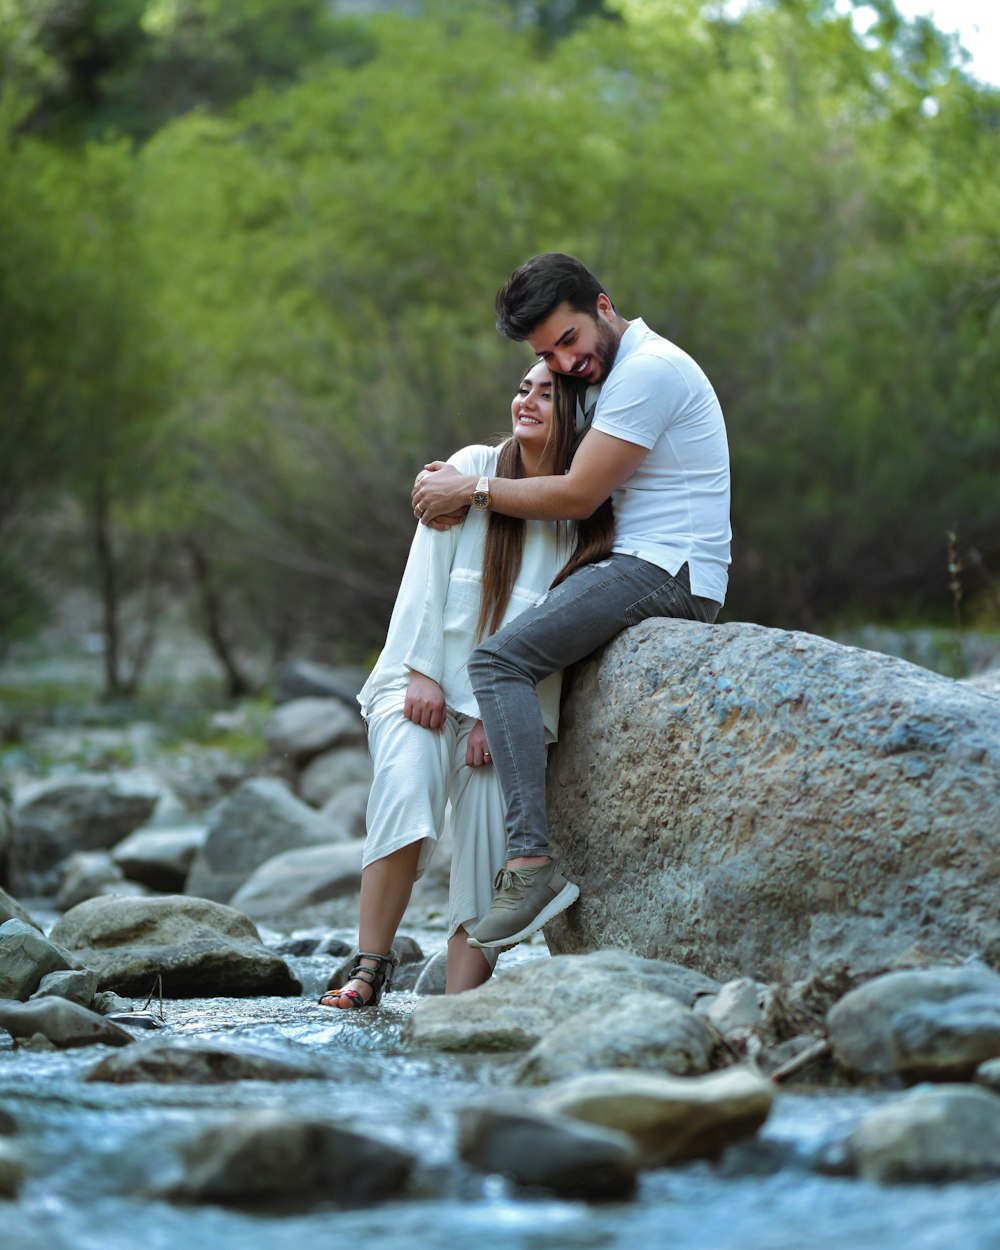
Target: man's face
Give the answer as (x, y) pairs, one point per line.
(576, 343)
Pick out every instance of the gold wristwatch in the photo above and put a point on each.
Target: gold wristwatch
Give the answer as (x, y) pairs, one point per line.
(481, 495)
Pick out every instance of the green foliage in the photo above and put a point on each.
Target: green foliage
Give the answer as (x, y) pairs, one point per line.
(245, 335)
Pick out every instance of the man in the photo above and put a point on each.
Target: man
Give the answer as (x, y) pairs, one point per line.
(657, 444)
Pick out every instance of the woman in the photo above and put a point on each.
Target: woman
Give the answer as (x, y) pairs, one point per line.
(427, 744)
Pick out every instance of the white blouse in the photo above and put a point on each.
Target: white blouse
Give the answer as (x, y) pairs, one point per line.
(433, 624)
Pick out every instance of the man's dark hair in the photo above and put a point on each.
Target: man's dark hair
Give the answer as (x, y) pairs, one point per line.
(537, 286)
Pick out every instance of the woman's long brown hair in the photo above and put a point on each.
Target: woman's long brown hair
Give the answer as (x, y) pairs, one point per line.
(504, 547)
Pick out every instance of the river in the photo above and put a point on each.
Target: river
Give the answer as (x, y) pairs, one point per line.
(97, 1150)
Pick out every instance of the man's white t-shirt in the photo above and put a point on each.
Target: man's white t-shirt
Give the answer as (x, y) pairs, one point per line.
(675, 506)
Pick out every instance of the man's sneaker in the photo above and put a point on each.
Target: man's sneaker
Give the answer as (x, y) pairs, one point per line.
(525, 899)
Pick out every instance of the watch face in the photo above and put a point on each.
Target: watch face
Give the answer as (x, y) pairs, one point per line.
(481, 499)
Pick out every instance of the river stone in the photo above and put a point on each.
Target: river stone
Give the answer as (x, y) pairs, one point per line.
(84, 874)
(297, 679)
(282, 887)
(634, 1031)
(531, 1148)
(433, 978)
(860, 1026)
(947, 1041)
(988, 1075)
(348, 809)
(26, 956)
(947, 1133)
(735, 1010)
(199, 948)
(304, 728)
(322, 777)
(516, 1010)
(160, 858)
(270, 1157)
(78, 985)
(11, 909)
(261, 819)
(191, 1062)
(60, 1022)
(750, 801)
(671, 1118)
(54, 818)
(12, 1169)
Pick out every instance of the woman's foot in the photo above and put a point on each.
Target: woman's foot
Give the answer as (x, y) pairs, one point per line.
(370, 977)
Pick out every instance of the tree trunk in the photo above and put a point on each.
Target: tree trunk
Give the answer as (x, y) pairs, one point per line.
(237, 683)
(107, 581)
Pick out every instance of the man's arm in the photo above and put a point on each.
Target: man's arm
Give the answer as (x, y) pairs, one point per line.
(602, 463)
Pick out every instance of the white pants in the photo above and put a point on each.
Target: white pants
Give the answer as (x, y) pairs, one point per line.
(421, 781)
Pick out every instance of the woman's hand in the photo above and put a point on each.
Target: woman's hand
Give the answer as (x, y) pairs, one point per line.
(424, 703)
(477, 750)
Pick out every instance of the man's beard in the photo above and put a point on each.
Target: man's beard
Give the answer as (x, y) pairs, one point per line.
(606, 349)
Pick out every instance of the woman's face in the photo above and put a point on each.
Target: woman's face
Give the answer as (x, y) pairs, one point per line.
(531, 409)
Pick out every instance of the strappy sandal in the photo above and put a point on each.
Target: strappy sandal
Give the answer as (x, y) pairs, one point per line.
(379, 978)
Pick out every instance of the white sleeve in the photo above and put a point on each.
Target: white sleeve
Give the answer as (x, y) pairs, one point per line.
(423, 591)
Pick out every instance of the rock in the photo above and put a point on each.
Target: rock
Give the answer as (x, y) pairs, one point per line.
(947, 1041)
(270, 1157)
(988, 681)
(304, 728)
(861, 1025)
(750, 801)
(641, 1031)
(348, 809)
(734, 1010)
(26, 956)
(160, 858)
(11, 909)
(76, 985)
(323, 777)
(13, 1169)
(60, 1022)
(299, 679)
(433, 978)
(949, 1133)
(555, 1153)
(84, 874)
(87, 813)
(183, 1061)
(516, 1010)
(199, 948)
(988, 1074)
(672, 1119)
(8, 1125)
(283, 887)
(259, 820)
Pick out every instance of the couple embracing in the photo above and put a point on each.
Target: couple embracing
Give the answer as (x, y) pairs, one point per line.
(518, 569)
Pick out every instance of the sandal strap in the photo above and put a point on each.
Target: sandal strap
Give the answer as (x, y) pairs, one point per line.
(386, 965)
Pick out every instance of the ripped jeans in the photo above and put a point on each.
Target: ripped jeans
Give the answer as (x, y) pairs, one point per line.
(587, 610)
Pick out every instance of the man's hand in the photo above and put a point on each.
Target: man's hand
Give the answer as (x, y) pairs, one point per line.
(477, 751)
(424, 703)
(441, 495)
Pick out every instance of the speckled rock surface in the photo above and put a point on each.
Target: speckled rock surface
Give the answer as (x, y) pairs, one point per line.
(748, 800)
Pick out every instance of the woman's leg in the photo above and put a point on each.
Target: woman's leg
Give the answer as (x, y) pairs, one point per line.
(405, 815)
(385, 891)
(477, 823)
(467, 967)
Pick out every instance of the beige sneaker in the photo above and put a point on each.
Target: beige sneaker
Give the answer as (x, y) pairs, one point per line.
(525, 899)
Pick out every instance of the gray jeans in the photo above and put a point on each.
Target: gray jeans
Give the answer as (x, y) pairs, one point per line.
(584, 612)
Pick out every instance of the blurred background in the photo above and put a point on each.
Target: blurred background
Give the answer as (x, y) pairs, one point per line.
(248, 253)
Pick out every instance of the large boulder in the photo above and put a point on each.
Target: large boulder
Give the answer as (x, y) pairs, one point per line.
(329, 773)
(746, 800)
(516, 1009)
(61, 1023)
(25, 958)
(198, 948)
(86, 813)
(299, 730)
(160, 858)
(11, 909)
(280, 890)
(259, 820)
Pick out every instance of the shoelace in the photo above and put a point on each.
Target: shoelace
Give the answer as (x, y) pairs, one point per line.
(508, 895)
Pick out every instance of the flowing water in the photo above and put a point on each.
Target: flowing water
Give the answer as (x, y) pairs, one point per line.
(97, 1151)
